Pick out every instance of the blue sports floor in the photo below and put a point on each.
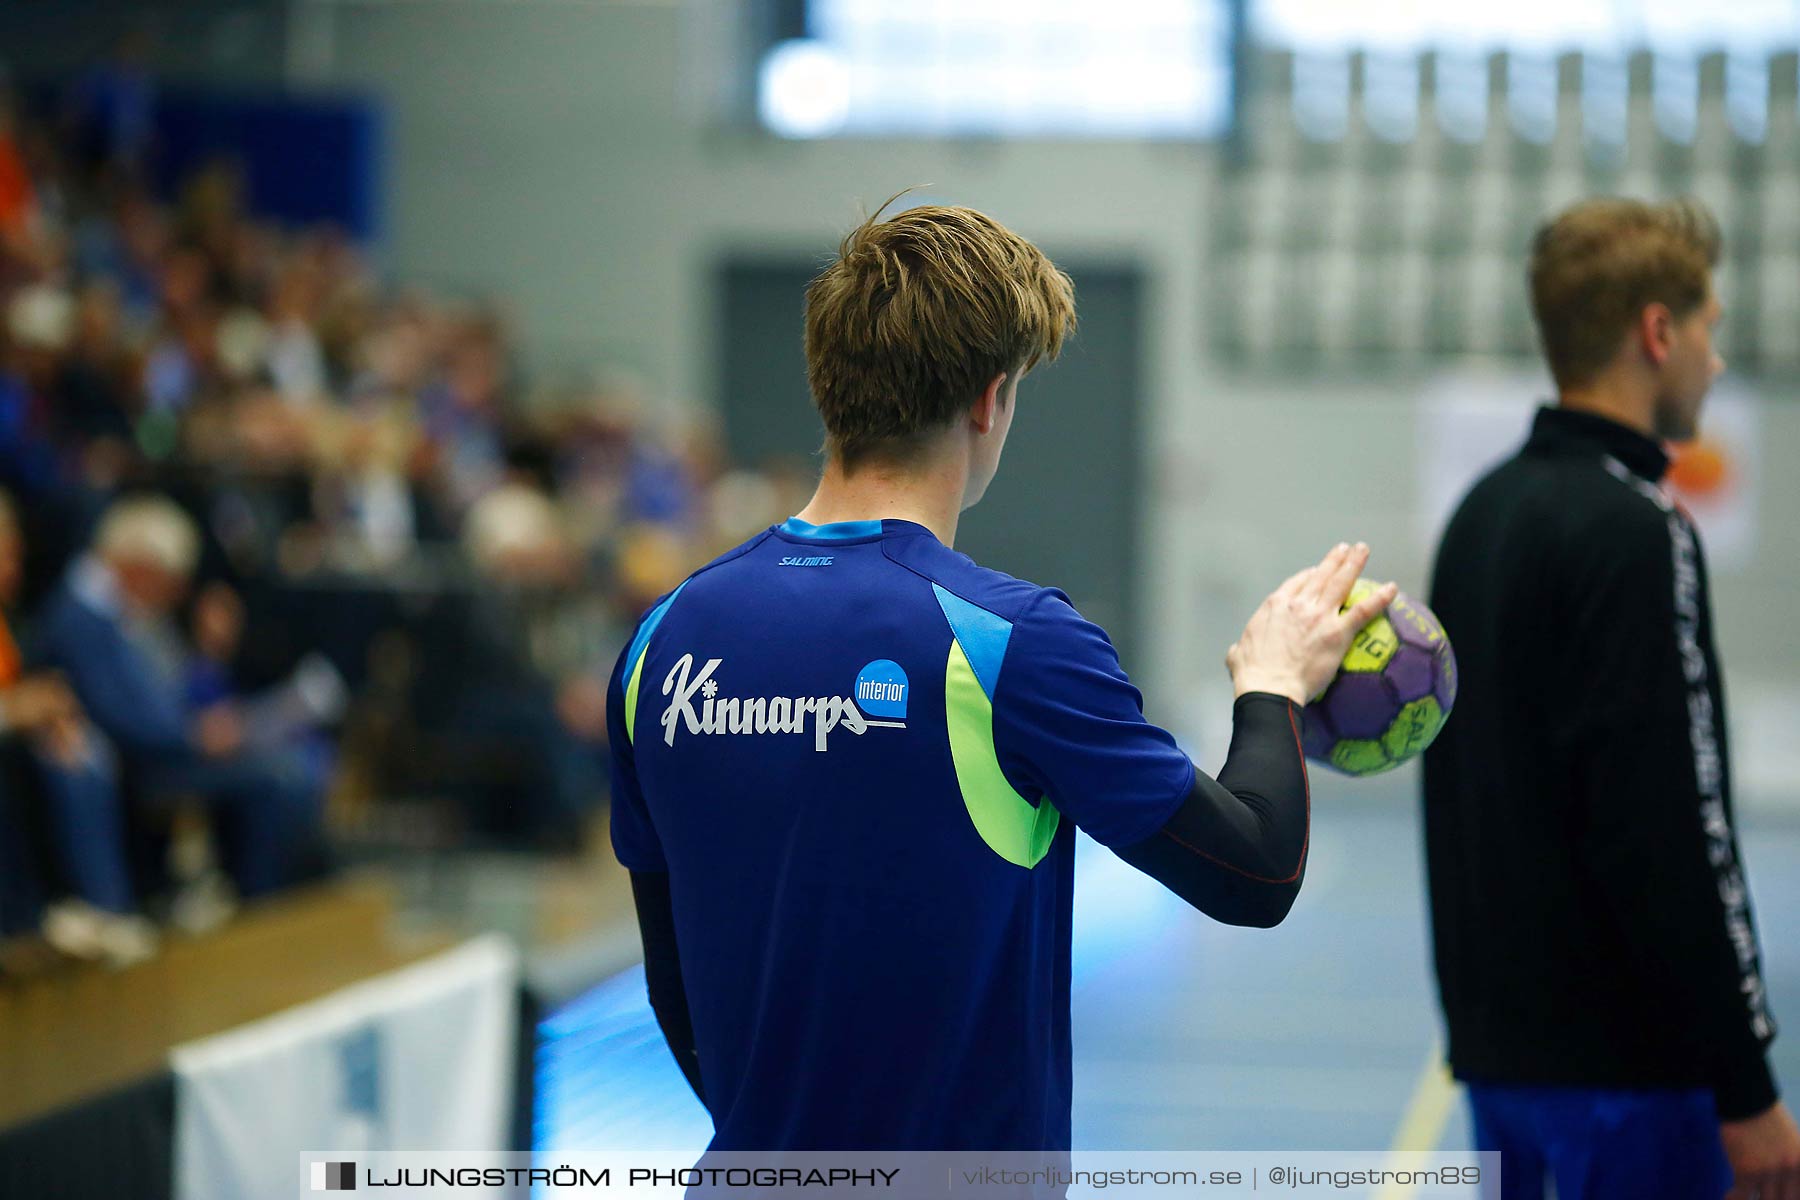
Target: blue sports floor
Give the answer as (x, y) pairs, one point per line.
(1191, 1035)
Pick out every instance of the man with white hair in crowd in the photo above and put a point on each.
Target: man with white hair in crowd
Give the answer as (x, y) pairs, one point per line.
(43, 732)
(107, 629)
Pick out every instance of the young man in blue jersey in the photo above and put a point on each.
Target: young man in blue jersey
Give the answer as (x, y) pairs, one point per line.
(849, 762)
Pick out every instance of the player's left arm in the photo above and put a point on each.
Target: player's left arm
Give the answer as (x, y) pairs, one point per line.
(1651, 814)
(639, 850)
(662, 972)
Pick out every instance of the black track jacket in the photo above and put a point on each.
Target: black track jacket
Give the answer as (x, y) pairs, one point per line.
(1590, 917)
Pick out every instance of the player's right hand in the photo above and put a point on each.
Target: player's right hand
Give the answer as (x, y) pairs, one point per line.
(1295, 642)
(1765, 1155)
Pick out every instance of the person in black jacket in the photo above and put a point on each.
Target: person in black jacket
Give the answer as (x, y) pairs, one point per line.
(1597, 957)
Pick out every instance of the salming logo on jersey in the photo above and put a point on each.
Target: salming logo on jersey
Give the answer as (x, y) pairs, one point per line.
(696, 705)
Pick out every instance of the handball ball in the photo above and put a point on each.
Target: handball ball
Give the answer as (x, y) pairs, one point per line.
(1391, 695)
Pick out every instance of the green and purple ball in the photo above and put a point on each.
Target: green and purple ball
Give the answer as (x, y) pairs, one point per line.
(1391, 695)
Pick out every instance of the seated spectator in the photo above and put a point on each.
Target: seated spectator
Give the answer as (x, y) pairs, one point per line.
(384, 500)
(108, 627)
(40, 714)
(524, 715)
(288, 719)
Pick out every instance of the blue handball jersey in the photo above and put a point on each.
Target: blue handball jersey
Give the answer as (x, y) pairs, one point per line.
(861, 759)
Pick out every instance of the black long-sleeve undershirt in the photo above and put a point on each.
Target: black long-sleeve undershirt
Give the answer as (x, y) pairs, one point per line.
(662, 972)
(1236, 848)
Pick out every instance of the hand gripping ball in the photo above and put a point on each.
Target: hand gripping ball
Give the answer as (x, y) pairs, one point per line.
(1391, 695)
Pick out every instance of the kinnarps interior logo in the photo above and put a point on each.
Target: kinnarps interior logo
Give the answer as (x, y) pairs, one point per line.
(696, 705)
(881, 689)
(334, 1177)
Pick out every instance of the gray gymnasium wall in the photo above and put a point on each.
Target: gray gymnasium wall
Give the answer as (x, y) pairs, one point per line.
(555, 151)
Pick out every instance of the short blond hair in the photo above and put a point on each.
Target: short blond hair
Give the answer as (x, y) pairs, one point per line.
(152, 529)
(913, 318)
(1597, 264)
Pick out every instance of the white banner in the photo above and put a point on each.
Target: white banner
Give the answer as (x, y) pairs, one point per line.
(420, 1057)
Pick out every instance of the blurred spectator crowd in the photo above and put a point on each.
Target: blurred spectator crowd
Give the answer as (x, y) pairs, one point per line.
(295, 564)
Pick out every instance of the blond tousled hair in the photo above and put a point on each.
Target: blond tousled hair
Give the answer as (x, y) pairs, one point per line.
(1597, 264)
(906, 327)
